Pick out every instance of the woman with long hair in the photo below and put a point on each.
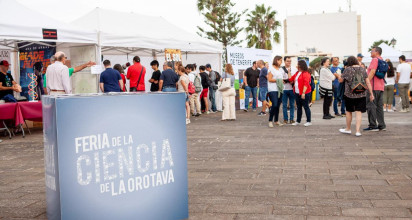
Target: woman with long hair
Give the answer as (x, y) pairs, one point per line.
(229, 113)
(275, 90)
(302, 91)
(119, 68)
(388, 94)
(182, 86)
(355, 95)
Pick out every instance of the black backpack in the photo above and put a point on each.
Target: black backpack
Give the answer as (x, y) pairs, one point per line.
(218, 77)
(358, 84)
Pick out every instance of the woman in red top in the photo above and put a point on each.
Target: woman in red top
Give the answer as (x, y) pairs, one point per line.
(302, 90)
(119, 68)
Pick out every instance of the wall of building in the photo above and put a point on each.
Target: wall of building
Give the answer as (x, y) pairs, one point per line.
(335, 33)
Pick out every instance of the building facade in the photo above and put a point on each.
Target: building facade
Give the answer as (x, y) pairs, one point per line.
(338, 34)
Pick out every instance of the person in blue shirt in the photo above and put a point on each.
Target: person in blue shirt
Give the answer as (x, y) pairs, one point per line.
(168, 79)
(110, 79)
(335, 69)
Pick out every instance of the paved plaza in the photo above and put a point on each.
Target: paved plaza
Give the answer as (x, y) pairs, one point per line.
(245, 170)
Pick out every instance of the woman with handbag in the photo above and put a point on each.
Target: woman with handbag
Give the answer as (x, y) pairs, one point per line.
(275, 90)
(326, 78)
(228, 93)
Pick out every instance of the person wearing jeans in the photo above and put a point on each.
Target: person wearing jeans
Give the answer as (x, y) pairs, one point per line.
(375, 107)
(248, 91)
(337, 88)
(288, 71)
(250, 80)
(302, 91)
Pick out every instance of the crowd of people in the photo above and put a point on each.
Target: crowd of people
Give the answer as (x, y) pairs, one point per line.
(279, 85)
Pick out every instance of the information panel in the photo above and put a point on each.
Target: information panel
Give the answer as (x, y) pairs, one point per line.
(116, 156)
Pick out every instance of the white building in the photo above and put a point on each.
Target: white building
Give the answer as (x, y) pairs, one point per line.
(338, 34)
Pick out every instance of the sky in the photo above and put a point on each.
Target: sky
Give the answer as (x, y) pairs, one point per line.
(381, 19)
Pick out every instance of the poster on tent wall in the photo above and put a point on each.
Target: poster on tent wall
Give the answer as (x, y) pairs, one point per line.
(241, 59)
(29, 54)
(173, 55)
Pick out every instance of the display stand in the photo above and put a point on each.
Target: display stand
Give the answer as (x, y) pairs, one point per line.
(115, 156)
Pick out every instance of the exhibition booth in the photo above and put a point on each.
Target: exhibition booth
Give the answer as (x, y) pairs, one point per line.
(122, 36)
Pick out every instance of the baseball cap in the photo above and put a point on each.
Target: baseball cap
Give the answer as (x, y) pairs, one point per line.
(360, 55)
(4, 63)
(208, 66)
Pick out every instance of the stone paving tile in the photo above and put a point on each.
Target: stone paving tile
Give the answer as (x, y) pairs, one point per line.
(379, 212)
(244, 170)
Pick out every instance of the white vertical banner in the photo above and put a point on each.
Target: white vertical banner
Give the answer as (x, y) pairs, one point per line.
(241, 59)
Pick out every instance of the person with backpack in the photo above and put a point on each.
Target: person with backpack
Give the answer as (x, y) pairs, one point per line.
(376, 74)
(356, 84)
(195, 80)
(215, 78)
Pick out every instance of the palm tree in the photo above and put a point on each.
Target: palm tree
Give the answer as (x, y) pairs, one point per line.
(262, 27)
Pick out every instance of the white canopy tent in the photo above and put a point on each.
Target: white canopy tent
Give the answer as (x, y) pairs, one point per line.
(123, 35)
(19, 24)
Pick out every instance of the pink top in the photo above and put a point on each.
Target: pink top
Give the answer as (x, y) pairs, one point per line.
(377, 84)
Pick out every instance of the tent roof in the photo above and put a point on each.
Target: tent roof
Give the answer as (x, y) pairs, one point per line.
(388, 52)
(131, 30)
(18, 22)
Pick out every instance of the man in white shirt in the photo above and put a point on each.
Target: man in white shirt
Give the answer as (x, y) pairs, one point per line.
(57, 76)
(403, 78)
(288, 94)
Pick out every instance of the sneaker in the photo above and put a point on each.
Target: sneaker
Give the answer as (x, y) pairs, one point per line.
(331, 116)
(291, 122)
(254, 110)
(295, 123)
(371, 129)
(245, 110)
(358, 134)
(338, 115)
(390, 110)
(207, 112)
(384, 109)
(271, 124)
(213, 112)
(403, 110)
(307, 124)
(285, 122)
(187, 121)
(394, 109)
(262, 114)
(382, 129)
(343, 115)
(327, 117)
(407, 110)
(268, 109)
(278, 124)
(344, 131)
